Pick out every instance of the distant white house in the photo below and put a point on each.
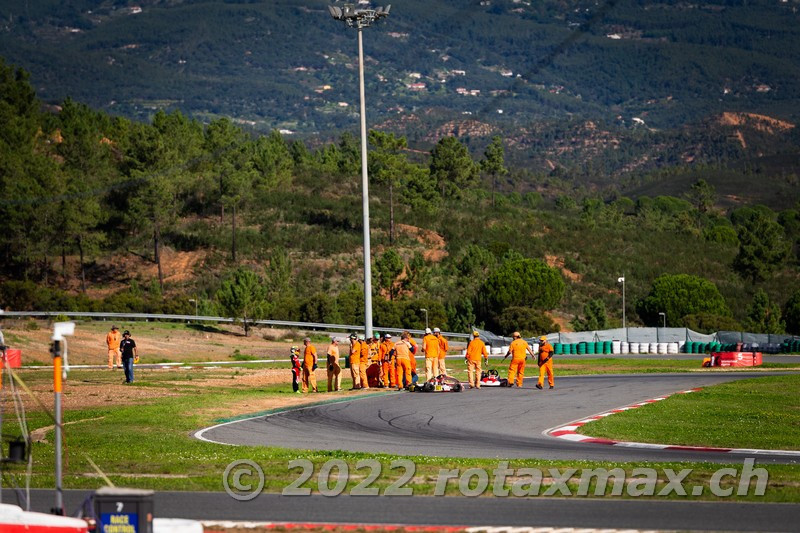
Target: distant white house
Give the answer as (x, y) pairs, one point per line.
(415, 75)
(416, 86)
(637, 120)
(343, 104)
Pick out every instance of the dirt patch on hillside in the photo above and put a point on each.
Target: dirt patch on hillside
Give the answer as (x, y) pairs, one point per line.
(761, 123)
(562, 321)
(111, 274)
(435, 242)
(175, 266)
(558, 262)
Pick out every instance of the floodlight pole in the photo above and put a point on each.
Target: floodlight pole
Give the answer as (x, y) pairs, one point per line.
(365, 191)
(360, 19)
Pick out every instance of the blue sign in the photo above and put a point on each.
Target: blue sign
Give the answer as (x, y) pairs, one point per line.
(119, 523)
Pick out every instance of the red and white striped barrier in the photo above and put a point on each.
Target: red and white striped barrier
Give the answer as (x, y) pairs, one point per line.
(570, 432)
(14, 520)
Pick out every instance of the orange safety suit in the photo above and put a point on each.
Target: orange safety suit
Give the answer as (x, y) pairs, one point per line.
(334, 370)
(430, 345)
(475, 350)
(443, 347)
(355, 364)
(113, 339)
(364, 364)
(546, 363)
(388, 374)
(402, 351)
(309, 360)
(519, 352)
(374, 352)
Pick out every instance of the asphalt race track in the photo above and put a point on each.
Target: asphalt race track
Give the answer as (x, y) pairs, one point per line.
(489, 423)
(494, 423)
(459, 511)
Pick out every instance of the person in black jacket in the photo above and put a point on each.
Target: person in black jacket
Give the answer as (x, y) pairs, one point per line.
(128, 348)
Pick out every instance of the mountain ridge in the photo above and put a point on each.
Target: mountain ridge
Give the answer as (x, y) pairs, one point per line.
(638, 70)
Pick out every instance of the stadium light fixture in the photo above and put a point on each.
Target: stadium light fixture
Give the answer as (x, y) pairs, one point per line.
(359, 18)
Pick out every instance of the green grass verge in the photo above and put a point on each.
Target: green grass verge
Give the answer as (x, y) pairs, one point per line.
(754, 413)
(150, 445)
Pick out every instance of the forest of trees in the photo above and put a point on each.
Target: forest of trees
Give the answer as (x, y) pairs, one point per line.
(280, 223)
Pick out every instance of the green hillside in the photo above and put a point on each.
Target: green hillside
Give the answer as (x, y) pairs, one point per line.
(98, 212)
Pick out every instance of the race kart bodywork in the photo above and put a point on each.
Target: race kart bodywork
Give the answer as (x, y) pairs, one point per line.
(493, 379)
(441, 383)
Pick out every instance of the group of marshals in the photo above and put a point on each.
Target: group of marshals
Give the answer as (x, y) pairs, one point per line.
(396, 364)
(518, 350)
(394, 360)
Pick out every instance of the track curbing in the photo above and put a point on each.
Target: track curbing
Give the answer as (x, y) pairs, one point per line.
(570, 433)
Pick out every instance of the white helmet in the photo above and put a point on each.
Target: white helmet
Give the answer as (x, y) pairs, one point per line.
(427, 331)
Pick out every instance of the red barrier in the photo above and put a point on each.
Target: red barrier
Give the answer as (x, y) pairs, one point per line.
(735, 359)
(15, 520)
(13, 359)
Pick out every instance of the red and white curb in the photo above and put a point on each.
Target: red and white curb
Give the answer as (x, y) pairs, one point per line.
(227, 524)
(215, 525)
(570, 432)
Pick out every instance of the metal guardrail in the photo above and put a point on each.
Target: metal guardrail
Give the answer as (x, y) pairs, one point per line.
(156, 316)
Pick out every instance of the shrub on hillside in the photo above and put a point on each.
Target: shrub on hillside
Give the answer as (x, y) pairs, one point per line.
(679, 295)
(791, 313)
(709, 323)
(527, 321)
(519, 283)
(722, 235)
(28, 296)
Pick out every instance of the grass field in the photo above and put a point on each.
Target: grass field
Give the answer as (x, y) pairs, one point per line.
(754, 413)
(146, 440)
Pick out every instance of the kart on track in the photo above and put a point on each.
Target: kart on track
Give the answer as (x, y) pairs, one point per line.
(440, 383)
(491, 378)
